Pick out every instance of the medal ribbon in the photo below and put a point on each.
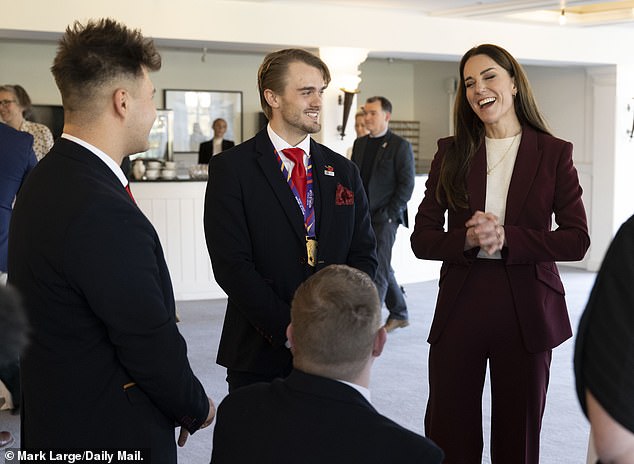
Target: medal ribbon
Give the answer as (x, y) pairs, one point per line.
(308, 211)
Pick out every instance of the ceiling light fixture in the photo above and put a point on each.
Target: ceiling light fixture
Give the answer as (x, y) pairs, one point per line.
(562, 17)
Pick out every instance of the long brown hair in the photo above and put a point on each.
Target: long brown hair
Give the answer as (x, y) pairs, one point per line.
(470, 129)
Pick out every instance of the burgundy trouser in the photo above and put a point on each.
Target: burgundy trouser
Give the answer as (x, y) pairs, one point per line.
(484, 327)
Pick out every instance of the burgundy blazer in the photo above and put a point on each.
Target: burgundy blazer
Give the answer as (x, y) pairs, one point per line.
(544, 181)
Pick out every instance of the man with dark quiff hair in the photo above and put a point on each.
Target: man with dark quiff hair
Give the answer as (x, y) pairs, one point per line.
(97, 290)
(82, 64)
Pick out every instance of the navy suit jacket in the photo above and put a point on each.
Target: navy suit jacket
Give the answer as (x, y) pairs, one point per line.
(256, 239)
(16, 161)
(310, 419)
(206, 149)
(107, 366)
(392, 177)
(544, 181)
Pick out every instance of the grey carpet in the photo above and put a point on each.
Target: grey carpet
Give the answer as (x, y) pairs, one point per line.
(399, 381)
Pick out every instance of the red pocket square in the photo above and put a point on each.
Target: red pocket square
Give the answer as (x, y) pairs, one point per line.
(344, 196)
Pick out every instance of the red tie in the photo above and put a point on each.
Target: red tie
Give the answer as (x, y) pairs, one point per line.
(298, 175)
(127, 189)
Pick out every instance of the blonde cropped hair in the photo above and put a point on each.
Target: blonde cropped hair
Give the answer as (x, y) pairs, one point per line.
(335, 315)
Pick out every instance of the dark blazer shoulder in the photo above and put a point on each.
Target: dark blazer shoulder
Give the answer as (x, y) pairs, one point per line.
(392, 137)
(542, 139)
(445, 142)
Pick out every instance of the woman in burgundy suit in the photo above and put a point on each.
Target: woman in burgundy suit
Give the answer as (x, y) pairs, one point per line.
(500, 301)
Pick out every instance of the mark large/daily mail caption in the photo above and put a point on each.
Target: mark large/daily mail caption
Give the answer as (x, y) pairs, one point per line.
(72, 456)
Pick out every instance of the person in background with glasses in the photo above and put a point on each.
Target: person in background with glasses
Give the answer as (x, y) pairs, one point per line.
(15, 109)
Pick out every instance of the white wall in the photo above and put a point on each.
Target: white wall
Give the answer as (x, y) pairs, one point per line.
(184, 69)
(28, 64)
(394, 81)
(257, 23)
(433, 102)
(415, 88)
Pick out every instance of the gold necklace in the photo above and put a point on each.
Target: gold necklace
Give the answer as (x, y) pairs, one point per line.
(497, 163)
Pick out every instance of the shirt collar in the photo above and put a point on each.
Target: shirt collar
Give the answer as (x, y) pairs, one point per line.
(280, 144)
(364, 391)
(114, 167)
(380, 135)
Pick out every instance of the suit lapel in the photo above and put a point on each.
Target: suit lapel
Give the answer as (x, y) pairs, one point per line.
(324, 188)
(528, 159)
(271, 170)
(477, 180)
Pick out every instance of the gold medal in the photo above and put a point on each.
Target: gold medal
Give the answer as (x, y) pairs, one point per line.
(311, 251)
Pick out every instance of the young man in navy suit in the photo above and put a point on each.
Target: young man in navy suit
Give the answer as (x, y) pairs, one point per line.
(107, 366)
(322, 411)
(278, 208)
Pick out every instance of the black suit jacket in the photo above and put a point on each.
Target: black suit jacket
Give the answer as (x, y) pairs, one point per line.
(311, 419)
(206, 150)
(106, 367)
(392, 179)
(256, 240)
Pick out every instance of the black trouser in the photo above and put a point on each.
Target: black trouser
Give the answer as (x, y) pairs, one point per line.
(389, 290)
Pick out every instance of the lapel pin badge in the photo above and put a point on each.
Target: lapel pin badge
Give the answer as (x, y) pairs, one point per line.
(329, 171)
(384, 145)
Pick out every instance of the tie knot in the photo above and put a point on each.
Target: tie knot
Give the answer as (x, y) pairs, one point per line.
(295, 154)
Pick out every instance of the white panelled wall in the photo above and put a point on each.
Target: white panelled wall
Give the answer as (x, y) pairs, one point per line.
(176, 211)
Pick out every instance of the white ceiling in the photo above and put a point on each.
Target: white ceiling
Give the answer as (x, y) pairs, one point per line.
(578, 13)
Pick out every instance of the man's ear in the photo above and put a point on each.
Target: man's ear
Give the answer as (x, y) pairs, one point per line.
(379, 342)
(289, 334)
(120, 101)
(271, 98)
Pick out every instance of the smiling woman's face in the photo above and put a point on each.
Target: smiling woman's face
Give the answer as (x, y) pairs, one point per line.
(490, 91)
(10, 111)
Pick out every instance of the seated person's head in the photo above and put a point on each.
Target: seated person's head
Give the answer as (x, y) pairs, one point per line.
(335, 325)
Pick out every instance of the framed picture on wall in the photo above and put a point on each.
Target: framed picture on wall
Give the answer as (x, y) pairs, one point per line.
(196, 110)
